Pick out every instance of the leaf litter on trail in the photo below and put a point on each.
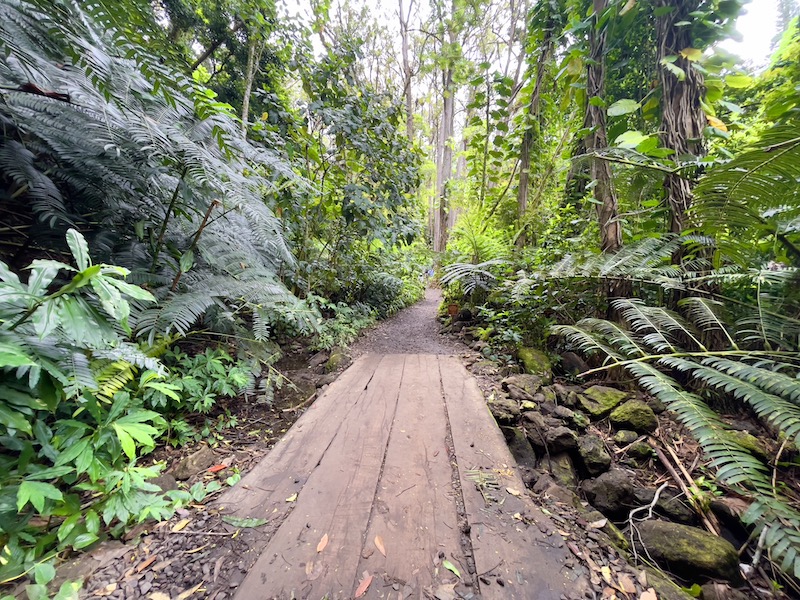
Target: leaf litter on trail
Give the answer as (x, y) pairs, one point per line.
(322, 543)
(243, 522)
(379, 545)
(362, 588)
(180, 525)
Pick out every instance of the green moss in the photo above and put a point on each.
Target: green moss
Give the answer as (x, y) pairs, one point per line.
(536, 362)
(750, 443)
(600, 400)
(635, 415)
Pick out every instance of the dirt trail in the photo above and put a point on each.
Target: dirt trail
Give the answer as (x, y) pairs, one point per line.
(411, 331)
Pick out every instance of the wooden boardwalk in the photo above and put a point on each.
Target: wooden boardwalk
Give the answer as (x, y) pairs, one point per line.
(397, 472)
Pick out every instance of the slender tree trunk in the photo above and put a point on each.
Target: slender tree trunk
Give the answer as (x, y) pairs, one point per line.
(446, 163)
(248, 85)
(600, 170)
(682, 116)
(534, 126)
(407, 73)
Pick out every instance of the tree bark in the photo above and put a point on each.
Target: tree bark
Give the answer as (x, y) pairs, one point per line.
(682, 116)
(445, 170)
(600, 170)
(407, 73)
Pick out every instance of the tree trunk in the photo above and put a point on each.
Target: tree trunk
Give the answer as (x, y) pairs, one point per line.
(600, 170)
(248, 84)
(534, 126)
(407, 73)
(682, 116)
(445, 171)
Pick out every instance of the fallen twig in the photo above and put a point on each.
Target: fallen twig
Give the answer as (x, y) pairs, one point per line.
(302, 404)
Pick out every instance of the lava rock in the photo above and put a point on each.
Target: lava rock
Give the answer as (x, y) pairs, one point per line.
(611, 493)
(520, 447)
(529, 384)
(337, 360)
(689, 552)
(657, 405)
(750, 443)
(560, 439)
(594, 457)
(536, 362)
(640, 451)
(320, 358)
(600, 400)
(625, 436)
(635, 415)
(561, 468)
(572, 364)
(504, 411)
(165, 482)
(464, 314)
(669, 505)
(194, 463)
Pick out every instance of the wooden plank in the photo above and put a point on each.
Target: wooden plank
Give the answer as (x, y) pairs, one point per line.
(335, 502)
(284, 471)
(414, 512)
(506, 541)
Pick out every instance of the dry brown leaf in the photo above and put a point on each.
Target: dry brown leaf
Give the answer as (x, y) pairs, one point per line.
(642, 579)
(180, 525)
(626, 584)
(609, 594)
(379, 545)
(599, 524)
(188, 592)
(650, 594)
(159, 596)
(142, 566)
(362, 588)
(106, 591)
(322, 543)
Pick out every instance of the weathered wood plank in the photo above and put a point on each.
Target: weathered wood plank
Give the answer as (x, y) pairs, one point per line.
(414, 512)
(506, 542)
(284, 471)
(335, 501)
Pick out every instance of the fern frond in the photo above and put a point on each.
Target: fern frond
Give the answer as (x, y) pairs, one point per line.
(703, 312)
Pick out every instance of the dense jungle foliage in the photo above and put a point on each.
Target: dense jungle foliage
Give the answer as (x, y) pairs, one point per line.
(189, 184)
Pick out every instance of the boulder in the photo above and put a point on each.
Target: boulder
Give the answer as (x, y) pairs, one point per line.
(464, 314)
(625, 436)
(611, 493)
(560, 439)
(635, 415)
(520, 447)
(561, 468)
(165, 482)
(689, 553)
(536, 362)
(194, 463)
(529, 384)
(576, 420)
(750, 443)
(485, 367)
(337, 360)
(572, 364)
(669, 505)
(640, 451)
(657, 405)
(504, 411)
(594, 457)
(600, 400)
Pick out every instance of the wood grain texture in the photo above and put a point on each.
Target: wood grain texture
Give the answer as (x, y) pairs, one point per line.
(507, 543)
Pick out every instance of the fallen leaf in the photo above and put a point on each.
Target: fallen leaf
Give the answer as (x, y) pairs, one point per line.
(217, 468)
(194, 550)
(106, 591)
(188, 592)
(158, 596)
(364, 585)
(642, 579)
(606, 573)
(513, 492)
(650, 594)
(292, 498)
(517, 516)
(379, 545)
(599, 524)
(609, 594)
(309, 567)
(243, 522)
(145, 564)
(451, 567)
(626, 584)
(180, 525)
(322, 543)
(574, 549)
(446, 591)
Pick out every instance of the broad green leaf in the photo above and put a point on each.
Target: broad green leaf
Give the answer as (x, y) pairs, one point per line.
(43, 573)
(627, 8)
(36, 492)
(42, 274)
(45, 319)
(734, 108)
(84, 540)
(630, 139)
(69, 590)
(243, 522)
(126, 441)
(68, 525)
(738, 81)
(674, 69)
(691, 54)
(37, 591)
(11, 419)
(80, 249)
(134, 291)
(92, 522)
(187, 261)
(623, 107)
(14, 356)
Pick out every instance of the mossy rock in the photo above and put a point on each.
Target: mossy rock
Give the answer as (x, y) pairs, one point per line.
(616, 537)
(337, 360)
(561, 468)
(536, 363)
(690, 553)
(593, 455)
(635, 415)
(640, 451)
(600, 400)
(750, 443)
(625, 436)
